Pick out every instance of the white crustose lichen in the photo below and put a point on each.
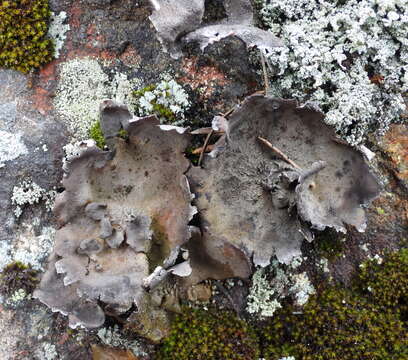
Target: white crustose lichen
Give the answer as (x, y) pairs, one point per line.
(29, 193)
(346, 58)
(83, 85)
(11, 147)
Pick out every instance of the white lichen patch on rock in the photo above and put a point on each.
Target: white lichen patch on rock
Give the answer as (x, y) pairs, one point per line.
(47, 351)
(261, 297)
(272, 284)
(169, 94)
(11, 147)
(83, 85)
(348, 59)
(17, 298)
(112, 337)
(27, 248)
(57, 31)
(31, 249)
(302, 288)
(30, 193)
(75, 149)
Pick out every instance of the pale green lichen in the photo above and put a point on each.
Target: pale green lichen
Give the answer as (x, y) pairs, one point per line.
(30, 193)
(47, 351)
(17, 298)
(27, 247)
(272, 284)
(11, 147)
(57, 31)
(112, 337)
(167, 99)
(83, 85)
(302, 288)
(346, 58)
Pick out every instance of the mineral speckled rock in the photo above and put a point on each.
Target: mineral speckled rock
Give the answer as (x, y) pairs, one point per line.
(137, 193)
(254, 205)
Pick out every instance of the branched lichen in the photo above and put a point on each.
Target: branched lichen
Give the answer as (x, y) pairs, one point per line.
(272, 284)
(167, 99)
(30, 193)
(347, 58)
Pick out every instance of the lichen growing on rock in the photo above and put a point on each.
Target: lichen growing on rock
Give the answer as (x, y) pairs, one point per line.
(83, 85)
(105, 214)
(11, 147)
(255, 204)
(23, 34)
(167, 99)
(347, 58)
(57, 31)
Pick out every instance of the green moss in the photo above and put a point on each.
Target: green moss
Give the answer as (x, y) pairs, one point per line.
(328, 244)
(23, 34)
(203, 335)
(348, 324)
(16, 276)
(95, 133)
(387, 283)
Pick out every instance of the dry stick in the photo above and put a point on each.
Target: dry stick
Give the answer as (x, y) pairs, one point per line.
(207, 139)
(228, 112)
(280, 153)
(265, 74)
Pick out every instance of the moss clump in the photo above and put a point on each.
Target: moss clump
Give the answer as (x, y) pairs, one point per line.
(337, 325)
(203, 335)
(328, 244)
(95, 133)
(16, 276)
(387, 283)
(23, 30)
(348, 324)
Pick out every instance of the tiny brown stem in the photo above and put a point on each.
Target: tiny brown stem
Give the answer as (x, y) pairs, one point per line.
(207, 139)
(265, 74)
(280, 153)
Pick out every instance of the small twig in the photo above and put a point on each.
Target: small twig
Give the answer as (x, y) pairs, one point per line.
(280, 153)
(229, 112)
(207, 139)
(265, 74)
(200, 149)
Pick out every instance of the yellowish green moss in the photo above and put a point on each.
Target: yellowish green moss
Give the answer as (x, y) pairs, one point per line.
(203, 335)
(23, 34)
(366, 322)
(95, 133)
(17, 276)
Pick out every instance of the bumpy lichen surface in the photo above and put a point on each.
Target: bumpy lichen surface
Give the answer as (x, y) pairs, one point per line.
(167, 99)
(23, 34)
(348, 58)
(202, 335)
(83, 85)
